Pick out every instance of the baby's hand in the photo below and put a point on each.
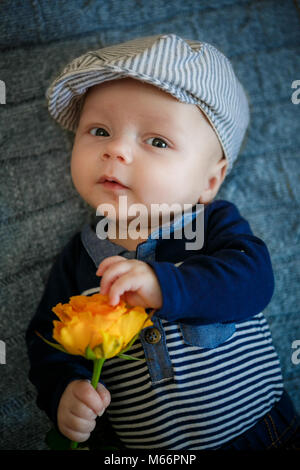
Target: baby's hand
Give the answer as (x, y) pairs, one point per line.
(78, 408)
(135, 280)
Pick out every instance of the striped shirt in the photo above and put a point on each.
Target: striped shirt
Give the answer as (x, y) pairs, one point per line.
(216, 394)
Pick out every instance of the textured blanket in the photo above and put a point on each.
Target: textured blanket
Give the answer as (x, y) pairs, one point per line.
(39, 208)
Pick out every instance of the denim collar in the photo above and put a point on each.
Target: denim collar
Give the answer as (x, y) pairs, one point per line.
(99, 249)
(180, 221)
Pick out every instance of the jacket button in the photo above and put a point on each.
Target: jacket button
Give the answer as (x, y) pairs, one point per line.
(152, 336)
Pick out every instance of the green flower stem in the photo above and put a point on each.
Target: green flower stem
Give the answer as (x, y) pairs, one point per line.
(98, 363)
(73, 445)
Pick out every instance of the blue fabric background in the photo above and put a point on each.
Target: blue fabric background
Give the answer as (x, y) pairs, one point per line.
(39, 208)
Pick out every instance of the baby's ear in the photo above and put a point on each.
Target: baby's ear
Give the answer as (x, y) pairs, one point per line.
(223, 163)
(214, 181)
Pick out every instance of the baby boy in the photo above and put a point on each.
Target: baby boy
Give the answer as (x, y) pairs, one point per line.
(159, 122)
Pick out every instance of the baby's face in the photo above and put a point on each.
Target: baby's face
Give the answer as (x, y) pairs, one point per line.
(161, 150)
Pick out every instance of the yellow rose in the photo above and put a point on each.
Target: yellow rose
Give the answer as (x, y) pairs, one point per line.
(90, 327)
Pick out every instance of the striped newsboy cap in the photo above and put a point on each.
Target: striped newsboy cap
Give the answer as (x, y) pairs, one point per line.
(192, 71)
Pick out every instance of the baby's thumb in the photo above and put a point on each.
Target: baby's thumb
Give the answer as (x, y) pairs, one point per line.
(104, 394)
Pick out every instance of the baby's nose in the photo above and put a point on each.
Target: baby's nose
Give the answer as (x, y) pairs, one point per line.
(118, 149)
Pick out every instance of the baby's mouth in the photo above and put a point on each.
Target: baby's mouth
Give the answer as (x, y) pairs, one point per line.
(111, 183)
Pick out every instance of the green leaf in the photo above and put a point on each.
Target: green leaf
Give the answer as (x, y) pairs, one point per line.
(89, 354)
(56, 441)
(131, 358)
(54, 345)
(131, 342)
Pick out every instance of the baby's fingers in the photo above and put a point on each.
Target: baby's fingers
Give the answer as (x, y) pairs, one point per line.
(81, 410)
(104, 395)
(125, 283)
(112, 273)
(87, 395)
(108, 262)
(78, 429)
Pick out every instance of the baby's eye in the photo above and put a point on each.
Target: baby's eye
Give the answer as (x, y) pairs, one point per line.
(99, 132)
(157, 142)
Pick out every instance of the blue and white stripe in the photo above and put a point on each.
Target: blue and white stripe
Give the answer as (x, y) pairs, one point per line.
(193, 72)
(216, 394)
